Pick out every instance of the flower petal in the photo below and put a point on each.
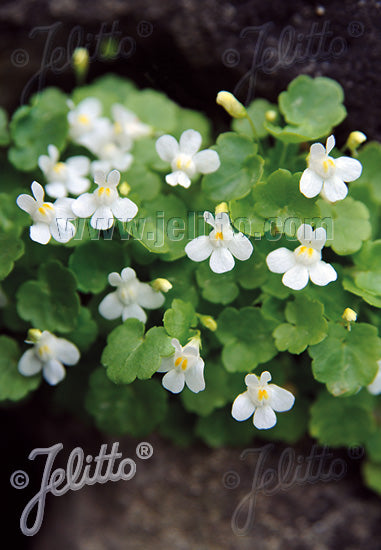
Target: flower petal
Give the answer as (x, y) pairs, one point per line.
(240, 246)
(62, 230)
(348, 169)
(149, 298)
(40, 233)
(330, 144)
(26, 203)
(85, 205)
(264, 418)
(29, 364)
(77, 185)
(194, 377)
(265, 377)
(173, 381)
(66, 352)
(199, 249)
(176, 344)
(317, 151)
(79, 164)
(310, 183)
(167, 363)
(221, 260)
(207, 161)
(100, 177)
(167, 148)
(178, 178)
(305, 234)
(280, 260)
(334, 189)
(190, 142)
(280, 399)
(243, 407)
(124, 209)
(322, 273)
(53, 372)
(209, 218)
(56, 189)
(296, 277)
(319, 238)
(38, 191)
(113, 178)
(111, 307)
(252, 380)
(102, 218)
(134, 311)
(114, 279)
(375, 386)
(128, 274)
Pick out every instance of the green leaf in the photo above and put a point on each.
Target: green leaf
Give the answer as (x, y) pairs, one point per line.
(370, 158)
(12, 218)
(187, 118)
(4, 134)
(85, 332)
(220, 389)
(179, 319)
(305, 325)
(343, 362)
(218, 288)
(332, 297)
(109, 89)
(11, 249)
(35, 126)
(13, 385)
(257, 112)
(311, 108)
(92, 261)
(131, 354)
(350, 225)
(247, 338)
(240, 168)
(219, 428)
(50, 303)
(346, 421)
(372, 474)
(373, 445)
(365, 279)
(145, 185)
(154, 108)
(135, 409)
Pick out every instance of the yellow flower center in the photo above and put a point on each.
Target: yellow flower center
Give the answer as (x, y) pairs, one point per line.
(83, 119)
(182, 163)
(304, 250)
(43, 350)
(59, 167)
(43, 209)
(219, 236)
(327, 164)
(118, 128)
(181, 361)
(262, 394)
(102, 190)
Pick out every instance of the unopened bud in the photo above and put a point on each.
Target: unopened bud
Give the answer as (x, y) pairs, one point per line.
(208, 322)
(124, 188)
(195, 340)
(231, 104)
(271, 115)
(161, 285)
(222, 207)
(349, 315)
(33, 336)
(355, 139)
(81, 63)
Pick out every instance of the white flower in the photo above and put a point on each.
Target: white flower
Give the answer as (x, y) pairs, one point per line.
(85, 119)
(326, 175)
(375, 387)
(64, 177)
(304, 262)
(104, 203)
(127, 124)
(262, 399)
(184, 367)
(49, 354)
(221, 244)
(49, 220)
(130, 297)
(185, 161)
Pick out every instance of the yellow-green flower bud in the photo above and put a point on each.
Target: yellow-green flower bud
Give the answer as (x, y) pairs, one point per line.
(222, 207)
(33, 335)
(161, 285)
(355, 139)
(271, 115)
(80, 60)
(208, 322)
(231, 104)
(349, 315)
(124, 188)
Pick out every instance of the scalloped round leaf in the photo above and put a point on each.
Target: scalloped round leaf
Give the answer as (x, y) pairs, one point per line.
(11, 249)
(131, 354)
(154, 108)
(35, 126)
(179, 319)
(370, 158)
(92, 262)
(343, 362)
(329, 419)
(13, 385)
(50, 303)
(305, 325)
(135, 409)
(311, 108)
(218, 288)
(246, 336)
(240, 168)
(85, 332)
(349, 225)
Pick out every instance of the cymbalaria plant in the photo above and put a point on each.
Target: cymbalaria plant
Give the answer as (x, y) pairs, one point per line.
(179, 271)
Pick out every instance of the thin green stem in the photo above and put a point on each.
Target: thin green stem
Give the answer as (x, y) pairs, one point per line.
(255, 133)
(283, 155)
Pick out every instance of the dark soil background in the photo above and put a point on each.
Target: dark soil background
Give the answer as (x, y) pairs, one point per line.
(190, 49)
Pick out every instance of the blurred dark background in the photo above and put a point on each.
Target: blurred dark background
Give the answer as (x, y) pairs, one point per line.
(189, 49)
